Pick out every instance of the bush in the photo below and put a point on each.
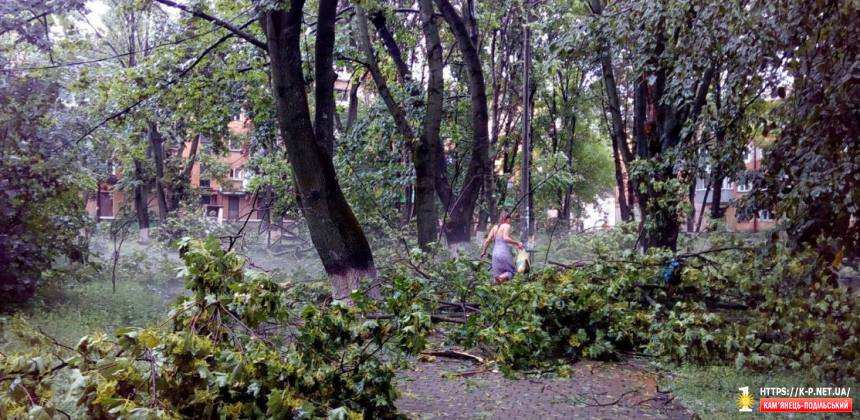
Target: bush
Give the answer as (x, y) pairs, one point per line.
(762, 309)
(238, 347)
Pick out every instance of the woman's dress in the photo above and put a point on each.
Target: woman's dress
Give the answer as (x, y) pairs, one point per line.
(503, 260)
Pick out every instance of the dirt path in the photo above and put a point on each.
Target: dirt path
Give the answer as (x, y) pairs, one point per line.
(594, 390)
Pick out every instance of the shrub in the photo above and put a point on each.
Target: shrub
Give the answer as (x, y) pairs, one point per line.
(235, 348)
(761, 309)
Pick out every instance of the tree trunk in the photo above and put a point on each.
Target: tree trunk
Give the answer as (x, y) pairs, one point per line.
(461, 210)
(140, 203)
(183, 181)
(403, 74)
(324, 75)
(334, 229)
(352, 108)
(621, 183)
(691, 217)
(717, 196)
(526, 169)
(424, 158)
(156, 143)
(424, 191)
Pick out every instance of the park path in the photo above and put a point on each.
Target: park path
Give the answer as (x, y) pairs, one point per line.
(594, 390)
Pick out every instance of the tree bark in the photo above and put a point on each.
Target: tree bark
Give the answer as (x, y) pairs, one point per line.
(403, 74)
(620, 182)
(717, 196)
(424, 158)
(461, 210)
(424, 191)
(140, 203)
(156, 143)
(334, 229)
(352, 108)
(526, 169)
(183, 181)
(324, 75)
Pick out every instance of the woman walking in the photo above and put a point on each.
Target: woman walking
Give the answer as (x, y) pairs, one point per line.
(502, 268)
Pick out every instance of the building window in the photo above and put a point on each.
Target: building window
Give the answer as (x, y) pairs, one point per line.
(749, 153)
(765, 215)
(205, 199)
(727, 184)
(236, 174)
(744, 187)
(204, 183)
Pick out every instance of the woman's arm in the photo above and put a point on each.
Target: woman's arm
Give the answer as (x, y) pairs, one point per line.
(487, 240)
(507, 237)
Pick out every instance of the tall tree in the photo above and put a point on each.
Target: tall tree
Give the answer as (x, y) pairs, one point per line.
(335, 232)
(425, 202)
(622, 154)
(462, 207)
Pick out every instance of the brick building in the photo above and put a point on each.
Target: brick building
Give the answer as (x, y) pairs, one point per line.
(222, 198)
(225, 197)
(731, 192)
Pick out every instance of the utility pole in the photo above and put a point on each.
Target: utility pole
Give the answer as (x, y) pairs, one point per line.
(526, 184)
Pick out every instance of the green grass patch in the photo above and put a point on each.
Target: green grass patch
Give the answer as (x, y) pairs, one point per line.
(69, 311)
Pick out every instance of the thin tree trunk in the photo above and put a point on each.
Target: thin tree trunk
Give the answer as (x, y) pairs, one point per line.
(403, 74)
(623, 206)
(425, 201)
(183, 181)
(140, 203)
(334, 229)
(526, 169)
(702, 209)
(156, 143)
(352, 108)
(716, 206)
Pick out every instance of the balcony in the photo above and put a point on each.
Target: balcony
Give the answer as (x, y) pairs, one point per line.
(233, 185)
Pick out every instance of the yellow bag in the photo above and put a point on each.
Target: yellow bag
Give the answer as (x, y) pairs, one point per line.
(523, 264)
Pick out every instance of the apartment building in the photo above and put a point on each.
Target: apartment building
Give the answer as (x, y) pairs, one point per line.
(223, 197)
(732, 191)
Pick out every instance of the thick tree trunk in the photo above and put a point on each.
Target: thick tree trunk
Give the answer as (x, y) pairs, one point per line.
(156, 143)
(334, 229)
(717, 197)
(140, 203)
(425, 158)
(324, 113)
(459, 224)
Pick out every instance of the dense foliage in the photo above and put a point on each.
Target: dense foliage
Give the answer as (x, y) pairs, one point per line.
(763, 308)
(41, 188)
(238, 347)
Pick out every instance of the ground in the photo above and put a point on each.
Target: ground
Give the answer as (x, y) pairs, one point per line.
(434, 390)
